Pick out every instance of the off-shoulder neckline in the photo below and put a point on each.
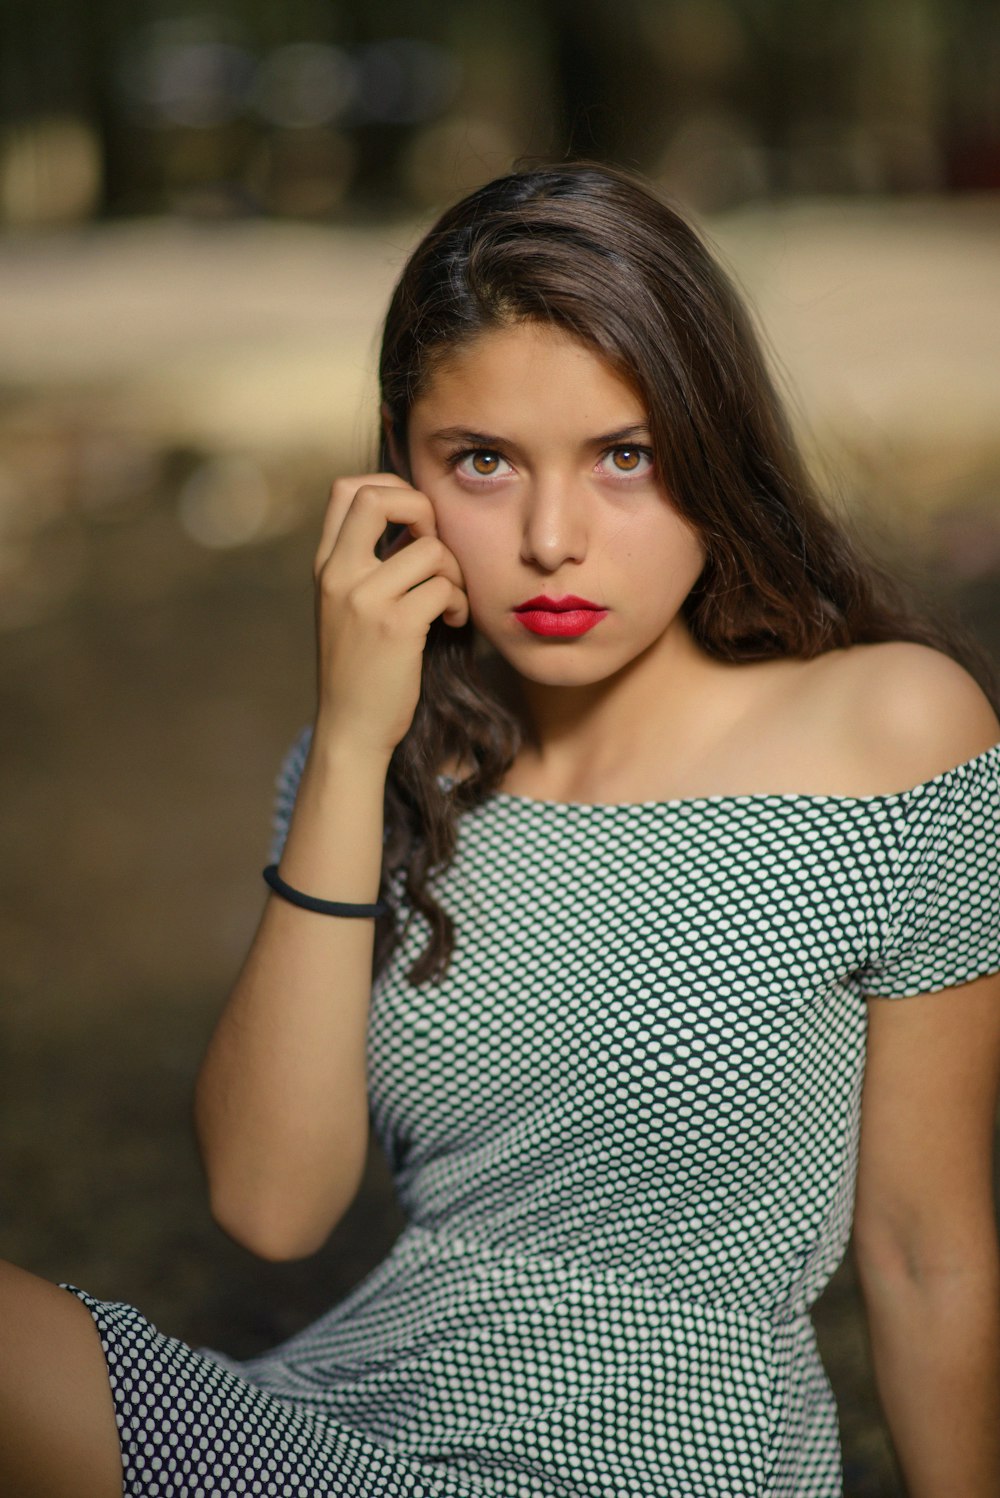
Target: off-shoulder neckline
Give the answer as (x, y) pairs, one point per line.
(966, 767)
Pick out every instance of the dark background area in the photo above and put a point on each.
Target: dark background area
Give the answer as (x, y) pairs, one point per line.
(318, 108)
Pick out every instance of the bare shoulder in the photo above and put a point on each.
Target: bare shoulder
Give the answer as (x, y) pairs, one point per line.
(914, 710)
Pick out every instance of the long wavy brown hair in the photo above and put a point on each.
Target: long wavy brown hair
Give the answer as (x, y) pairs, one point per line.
(593, 250)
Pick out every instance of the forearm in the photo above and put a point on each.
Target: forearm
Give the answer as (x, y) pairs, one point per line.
(936, 1352)
(281, 1105)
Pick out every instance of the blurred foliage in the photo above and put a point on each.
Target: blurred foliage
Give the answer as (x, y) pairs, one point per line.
(315, 109)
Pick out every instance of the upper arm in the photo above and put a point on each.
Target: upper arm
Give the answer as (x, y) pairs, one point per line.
(925, 1195)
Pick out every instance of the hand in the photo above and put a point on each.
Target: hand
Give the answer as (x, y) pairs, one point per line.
(373, 615)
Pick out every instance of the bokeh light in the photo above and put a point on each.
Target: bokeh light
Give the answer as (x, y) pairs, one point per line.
(50, 172)
(225, 502)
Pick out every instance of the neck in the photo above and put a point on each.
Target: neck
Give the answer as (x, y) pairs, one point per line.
(674, 697)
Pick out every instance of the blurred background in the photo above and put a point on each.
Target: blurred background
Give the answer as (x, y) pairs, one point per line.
(202, 212)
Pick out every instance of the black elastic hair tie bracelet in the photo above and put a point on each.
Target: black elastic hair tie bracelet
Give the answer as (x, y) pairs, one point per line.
(310, 902)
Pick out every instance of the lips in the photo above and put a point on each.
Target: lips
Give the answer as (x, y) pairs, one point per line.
(567, 617)
(557, 605)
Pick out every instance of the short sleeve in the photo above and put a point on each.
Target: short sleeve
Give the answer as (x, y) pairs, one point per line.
(943, 926)
(285, 787)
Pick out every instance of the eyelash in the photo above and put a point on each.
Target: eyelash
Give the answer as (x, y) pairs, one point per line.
(483, 481)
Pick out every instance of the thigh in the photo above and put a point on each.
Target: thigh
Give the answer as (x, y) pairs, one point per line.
(58, 1434)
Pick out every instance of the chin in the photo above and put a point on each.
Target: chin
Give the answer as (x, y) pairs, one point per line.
(556, 669)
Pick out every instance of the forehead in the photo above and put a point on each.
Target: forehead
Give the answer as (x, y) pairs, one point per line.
(522, 366)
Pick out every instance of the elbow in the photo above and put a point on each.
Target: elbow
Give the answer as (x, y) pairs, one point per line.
(285, 1207)
(947, 1263)
(273, 1235)
(880, 1258)
(283, 1223)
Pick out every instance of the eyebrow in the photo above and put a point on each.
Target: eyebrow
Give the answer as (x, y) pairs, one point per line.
(492, 440)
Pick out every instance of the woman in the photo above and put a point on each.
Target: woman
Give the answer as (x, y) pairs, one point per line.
(657, 794)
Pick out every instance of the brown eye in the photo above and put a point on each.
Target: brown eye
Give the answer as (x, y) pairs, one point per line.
(476, 462)
(632, 458)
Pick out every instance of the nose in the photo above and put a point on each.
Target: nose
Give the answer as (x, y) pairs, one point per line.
(555, 522)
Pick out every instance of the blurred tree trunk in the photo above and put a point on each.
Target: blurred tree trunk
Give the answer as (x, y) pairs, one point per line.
(102, 30)
(611, 87)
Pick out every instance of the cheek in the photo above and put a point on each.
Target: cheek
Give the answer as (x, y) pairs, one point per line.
(655, 549)
(456, 522)
(455, 528)
(476, 537)
(480, 555)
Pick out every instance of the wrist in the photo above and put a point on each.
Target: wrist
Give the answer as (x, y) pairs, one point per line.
(333, 745)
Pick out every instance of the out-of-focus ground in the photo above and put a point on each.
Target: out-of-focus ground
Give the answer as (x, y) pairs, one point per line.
(174, 401)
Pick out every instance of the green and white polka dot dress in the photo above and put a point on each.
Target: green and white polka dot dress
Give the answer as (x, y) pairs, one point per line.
(624, 1130)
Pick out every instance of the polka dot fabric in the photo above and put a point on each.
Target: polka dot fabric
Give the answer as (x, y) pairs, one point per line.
(624, 1131)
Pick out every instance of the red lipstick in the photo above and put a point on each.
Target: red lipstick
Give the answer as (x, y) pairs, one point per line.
(559, 616)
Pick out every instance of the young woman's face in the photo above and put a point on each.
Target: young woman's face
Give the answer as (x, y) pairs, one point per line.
(536, 457)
